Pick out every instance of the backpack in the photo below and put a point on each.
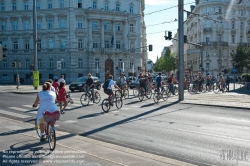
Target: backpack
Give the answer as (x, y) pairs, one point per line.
(142, 80)
(169, 80)
(106, 84)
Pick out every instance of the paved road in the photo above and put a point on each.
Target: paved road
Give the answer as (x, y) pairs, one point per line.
(200, 135)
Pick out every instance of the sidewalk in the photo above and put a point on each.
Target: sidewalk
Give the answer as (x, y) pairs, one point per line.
(20, 145)
(22, 89)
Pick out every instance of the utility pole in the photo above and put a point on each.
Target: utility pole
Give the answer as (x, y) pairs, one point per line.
(181, 49)
(35, 71)
(17, 75)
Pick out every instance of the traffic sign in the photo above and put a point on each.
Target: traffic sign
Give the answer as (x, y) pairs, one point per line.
(234, 70)
(186, 70)
(119, 71)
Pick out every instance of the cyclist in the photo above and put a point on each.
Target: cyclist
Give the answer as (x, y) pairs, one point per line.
(121, 82)
(208, 79)
(90, 86)
(200, 81)
(61, 80)
(221, 82)
(171, 83)
(159, 82)
(51, 88)
(47, 103)
(109, 90)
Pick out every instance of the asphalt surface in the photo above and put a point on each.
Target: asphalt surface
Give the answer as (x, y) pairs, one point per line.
(201, 135)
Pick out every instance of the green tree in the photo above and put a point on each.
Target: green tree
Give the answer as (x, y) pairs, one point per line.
(169, 61)
(158, 64)
(241, 58)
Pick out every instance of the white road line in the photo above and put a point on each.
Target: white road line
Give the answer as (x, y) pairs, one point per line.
(14, 127)
(70, 121)
(125, 108)
(24, 110)
(135, 106)
(13, 114)
(114, 111)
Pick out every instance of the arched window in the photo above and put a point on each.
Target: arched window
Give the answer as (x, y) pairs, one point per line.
(117, 8)
(131, 9)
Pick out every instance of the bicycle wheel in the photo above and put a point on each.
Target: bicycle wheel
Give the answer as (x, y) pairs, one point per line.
(204, 89)
(216, 89)
(141, 95)
(105, 105)
(97, 97)
(84, 99)
(135, 92)
(51, 136)
(118, 93)
(126, 94)
(164, 95)
(37, 128)
(176, 91)
(149, 94)
(156, 97)
(168, 92)
(118, 102)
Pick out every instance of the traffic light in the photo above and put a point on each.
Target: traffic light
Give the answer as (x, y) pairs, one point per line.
(14, 64)
(150, 47)
(20, 64)
(200, 66)
(185, 39)
(169, 35)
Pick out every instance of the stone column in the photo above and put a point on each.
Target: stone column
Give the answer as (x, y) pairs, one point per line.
(125, 34)
(102, 34)
(90, 34)
(114, 35)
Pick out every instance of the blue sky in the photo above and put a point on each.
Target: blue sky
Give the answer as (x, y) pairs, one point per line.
(157, 39)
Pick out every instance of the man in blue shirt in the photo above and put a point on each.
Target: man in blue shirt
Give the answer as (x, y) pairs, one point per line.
(159, 82)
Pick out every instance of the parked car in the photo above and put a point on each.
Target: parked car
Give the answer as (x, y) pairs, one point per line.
(130, 79)
(133, 84)
(81, 81)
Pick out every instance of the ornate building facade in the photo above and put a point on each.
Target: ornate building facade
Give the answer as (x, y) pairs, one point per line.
(101, 37)
(219, 26)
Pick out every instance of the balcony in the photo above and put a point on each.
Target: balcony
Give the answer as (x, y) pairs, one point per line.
(205, 30)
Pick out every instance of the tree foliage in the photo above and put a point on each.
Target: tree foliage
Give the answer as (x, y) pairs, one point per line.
(167, 63)
(241, 58)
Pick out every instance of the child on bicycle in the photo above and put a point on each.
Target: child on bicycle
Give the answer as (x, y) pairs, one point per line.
(108, 89)
(90, 86)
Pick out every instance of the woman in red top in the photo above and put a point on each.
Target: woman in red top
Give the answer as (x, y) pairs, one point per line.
(62, 97)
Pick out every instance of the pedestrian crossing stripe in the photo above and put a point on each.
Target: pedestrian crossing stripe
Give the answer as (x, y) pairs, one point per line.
(14, 114)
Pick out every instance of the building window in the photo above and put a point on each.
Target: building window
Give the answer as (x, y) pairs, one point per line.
(207, 66)
(232, 24)
(131, 64)
(106, 26)
(241, 39)
(219, 37)
(14, 25)
(241, 25)
(207, 54)
(38, 5)
(131, 9)
(26, 25)
(62, 23)
(51, 63)
(15, 45)
(219, 10)
(61, 3)
(63, 64)
(117, 7)
(118, 45)
(14, 6)
(51, 44)
(97, 63)
(4, 44)
(39, 62)
(249, 40)
(106, 44)
(80, 43)
(94, 5)
(63, 43)
(207, 39)
(79, 3)
(80, 62)
(94, 44)
(27, 63)
(50, 4)
(50, 24)
(106, 7)
(241, 12)
(38, 24)
(120, 63)
(26, 5)
(131, 46)
(27, 44)
(39, 45)
(117, 26)
(5, 63)
(131, 28)
(94, 24)
(3, 26)
(2, 6)
(233, 39)
(79, 23)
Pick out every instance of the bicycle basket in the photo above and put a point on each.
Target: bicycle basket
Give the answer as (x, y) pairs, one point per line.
(51, 116)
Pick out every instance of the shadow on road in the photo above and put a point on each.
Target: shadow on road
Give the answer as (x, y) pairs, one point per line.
(91, 115)
(126, 120)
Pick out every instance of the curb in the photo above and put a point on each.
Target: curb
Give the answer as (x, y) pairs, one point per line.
(223, 106)
(23, 92)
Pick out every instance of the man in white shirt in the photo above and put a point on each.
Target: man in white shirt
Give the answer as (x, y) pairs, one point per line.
(109, 91)
(61, 79)
(122, 83)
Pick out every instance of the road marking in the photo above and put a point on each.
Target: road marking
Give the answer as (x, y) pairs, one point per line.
(125, 108)
(24, 110)
(13, 114)
(135, 106)
(70, 121)
(14, 127)
(114, 111)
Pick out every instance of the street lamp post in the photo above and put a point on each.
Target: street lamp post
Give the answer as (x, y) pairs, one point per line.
(35, 72)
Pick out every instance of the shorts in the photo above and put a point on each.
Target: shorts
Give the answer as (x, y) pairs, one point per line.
(108, 91)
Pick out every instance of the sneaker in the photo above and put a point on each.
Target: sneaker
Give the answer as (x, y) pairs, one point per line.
(42, 138)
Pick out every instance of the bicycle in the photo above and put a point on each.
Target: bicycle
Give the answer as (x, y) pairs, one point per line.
(106, 103)
(50, 131)
(160, 95)
(218, 87)
(124, 93)
(87, 97)
(142, 93)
